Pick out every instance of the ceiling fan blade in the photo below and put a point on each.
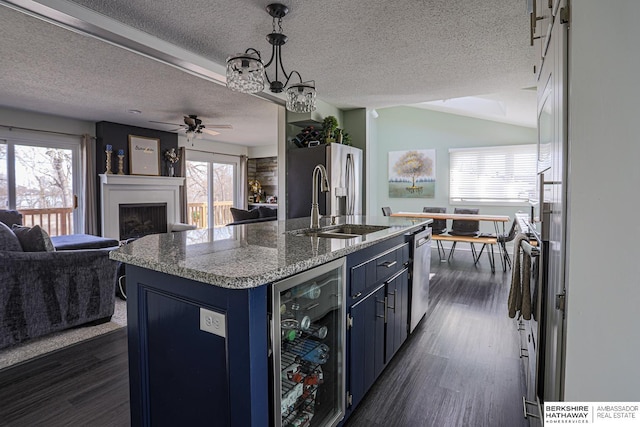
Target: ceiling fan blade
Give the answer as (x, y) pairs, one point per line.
(219, 126)
(165, 123)
(209, 131)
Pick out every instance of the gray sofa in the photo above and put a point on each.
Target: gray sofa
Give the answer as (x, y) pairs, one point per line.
(261, 214)
(48, 291)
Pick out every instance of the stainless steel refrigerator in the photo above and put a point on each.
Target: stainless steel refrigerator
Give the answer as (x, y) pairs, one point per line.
(344, 167)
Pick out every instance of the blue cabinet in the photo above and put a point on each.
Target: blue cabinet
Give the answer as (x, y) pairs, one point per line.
(367, 348)
(198, 354)
(397, 313)
(378, 285)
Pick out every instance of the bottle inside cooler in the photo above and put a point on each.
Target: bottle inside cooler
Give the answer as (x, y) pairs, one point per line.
(311, 332)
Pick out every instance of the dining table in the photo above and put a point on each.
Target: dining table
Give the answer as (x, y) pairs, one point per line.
(497, 220)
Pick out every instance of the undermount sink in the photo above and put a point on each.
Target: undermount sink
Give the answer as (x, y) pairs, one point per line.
(345, 231)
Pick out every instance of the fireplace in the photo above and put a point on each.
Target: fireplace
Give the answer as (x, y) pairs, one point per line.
(140, 219)
(133, 190)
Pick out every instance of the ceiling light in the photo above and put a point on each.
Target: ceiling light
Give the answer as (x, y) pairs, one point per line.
(246, 72)
(192, 135)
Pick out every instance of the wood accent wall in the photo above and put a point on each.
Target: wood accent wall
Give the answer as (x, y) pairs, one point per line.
(265, 170)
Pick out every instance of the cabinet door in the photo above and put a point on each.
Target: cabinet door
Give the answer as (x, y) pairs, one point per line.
(366, 340)
(397, 313)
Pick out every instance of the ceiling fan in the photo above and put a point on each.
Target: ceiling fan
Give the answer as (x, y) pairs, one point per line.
(193, 125)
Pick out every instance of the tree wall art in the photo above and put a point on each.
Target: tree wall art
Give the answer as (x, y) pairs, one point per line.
(412, 174)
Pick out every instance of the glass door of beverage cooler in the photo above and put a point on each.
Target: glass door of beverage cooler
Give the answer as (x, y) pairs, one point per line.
(309, 347)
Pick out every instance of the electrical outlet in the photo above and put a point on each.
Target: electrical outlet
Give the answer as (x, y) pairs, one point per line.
(212, 322)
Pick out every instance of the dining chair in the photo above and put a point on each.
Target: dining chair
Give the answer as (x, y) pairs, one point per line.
(464, 228)
(503, 238)
(438, 226)
(386, 211)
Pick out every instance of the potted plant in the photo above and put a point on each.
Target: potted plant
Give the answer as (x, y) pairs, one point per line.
(329, 125)
(346, 138)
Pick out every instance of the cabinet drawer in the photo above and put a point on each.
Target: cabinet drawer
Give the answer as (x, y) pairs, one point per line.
(387, 264)
(369, 273)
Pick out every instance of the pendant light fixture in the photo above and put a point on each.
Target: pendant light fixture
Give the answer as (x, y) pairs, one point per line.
(246, 72)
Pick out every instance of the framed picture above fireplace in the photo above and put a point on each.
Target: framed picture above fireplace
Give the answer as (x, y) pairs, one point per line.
(144, 155)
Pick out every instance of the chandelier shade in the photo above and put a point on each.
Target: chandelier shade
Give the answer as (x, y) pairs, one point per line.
(247, 73)
(301, 97)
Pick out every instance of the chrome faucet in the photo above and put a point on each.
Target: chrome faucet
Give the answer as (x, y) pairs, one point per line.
(324, 187)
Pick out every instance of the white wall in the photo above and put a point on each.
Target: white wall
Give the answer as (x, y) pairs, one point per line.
(264, 151)
(31, 120)
(212, 146)
(603, 272)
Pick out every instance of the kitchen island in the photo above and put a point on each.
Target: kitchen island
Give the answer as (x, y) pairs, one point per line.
(199, 315)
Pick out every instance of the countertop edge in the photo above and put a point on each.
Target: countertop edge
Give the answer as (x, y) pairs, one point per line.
(260, 279)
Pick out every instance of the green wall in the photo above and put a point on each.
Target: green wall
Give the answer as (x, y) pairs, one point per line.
(407, 128)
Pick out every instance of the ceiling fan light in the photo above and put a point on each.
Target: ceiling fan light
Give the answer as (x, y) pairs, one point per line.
(245, 73)
(301, 97)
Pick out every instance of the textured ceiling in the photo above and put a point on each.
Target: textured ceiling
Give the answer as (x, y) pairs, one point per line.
(361, 53)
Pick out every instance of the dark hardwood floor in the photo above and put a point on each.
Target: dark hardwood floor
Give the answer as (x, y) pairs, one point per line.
(83, 385)
(459, 368)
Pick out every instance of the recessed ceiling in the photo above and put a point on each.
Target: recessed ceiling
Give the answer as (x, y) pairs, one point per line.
(361, 54)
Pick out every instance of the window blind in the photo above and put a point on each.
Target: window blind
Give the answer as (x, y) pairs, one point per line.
(500, 174)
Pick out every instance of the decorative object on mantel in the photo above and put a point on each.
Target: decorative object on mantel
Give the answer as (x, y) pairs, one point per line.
(108, 150)
(246, 72)
(172, 158)
(120, 162)
(144, 155)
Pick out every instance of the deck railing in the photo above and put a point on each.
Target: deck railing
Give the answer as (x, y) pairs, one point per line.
(59, 221)
(55, 221)
(198, 213)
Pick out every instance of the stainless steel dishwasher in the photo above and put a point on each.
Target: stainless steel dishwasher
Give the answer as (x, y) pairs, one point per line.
(421, 255)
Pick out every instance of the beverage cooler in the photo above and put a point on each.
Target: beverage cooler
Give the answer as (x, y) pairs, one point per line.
(308, 347)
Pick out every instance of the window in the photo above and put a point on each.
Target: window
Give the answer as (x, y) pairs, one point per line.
(492, 175)
(212, 188)
(39, 177)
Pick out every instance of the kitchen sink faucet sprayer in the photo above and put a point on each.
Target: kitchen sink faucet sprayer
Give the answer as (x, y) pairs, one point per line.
(324, 187)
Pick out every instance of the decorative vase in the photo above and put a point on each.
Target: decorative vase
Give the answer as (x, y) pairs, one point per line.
(171, 170)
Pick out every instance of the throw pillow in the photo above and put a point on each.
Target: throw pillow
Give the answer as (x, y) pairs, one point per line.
(33, 239)
(266, 212)
(8, 240)
(243, 215)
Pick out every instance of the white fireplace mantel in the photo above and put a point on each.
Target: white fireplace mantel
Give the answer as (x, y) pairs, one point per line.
(123, 189)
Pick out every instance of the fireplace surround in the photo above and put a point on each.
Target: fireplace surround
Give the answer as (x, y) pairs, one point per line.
(116, 190)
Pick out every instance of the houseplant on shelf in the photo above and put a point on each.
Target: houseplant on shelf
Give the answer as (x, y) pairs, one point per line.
(329, 126)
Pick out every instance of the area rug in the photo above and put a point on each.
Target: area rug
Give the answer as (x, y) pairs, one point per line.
(43, 345)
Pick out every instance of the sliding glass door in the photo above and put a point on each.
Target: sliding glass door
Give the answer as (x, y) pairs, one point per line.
(40, 178)
(212, 188)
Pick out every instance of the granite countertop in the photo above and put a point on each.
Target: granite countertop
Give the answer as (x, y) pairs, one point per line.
(251, 255)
